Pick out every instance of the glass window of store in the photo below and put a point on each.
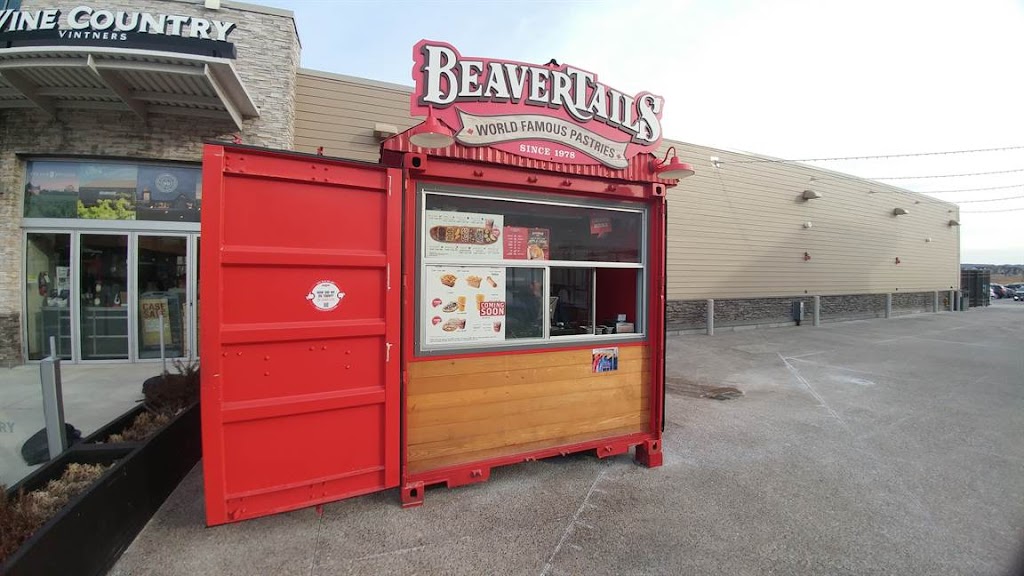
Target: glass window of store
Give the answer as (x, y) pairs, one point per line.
(103, 277)
(101, 190)
(511, 271)
(162, 286)
(48, 294)
(127, 231)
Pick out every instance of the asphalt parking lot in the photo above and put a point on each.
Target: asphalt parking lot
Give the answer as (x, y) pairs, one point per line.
(870, 447)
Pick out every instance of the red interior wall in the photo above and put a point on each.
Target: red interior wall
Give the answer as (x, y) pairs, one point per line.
(616, 293)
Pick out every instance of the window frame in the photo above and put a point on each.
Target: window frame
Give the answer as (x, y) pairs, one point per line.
(547, 341)
(26, 161)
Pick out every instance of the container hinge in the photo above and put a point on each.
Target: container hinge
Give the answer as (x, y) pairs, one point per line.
(387, 353)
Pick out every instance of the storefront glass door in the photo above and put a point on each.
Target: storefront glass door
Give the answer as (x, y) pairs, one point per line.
(163, 282)
(103, 296)
(194, 263)
(48, 294)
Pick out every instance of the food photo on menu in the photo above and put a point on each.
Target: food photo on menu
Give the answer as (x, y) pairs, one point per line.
(466, 235)
(464, 304)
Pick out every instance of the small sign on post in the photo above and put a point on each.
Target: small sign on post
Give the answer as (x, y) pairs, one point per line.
(53, 402)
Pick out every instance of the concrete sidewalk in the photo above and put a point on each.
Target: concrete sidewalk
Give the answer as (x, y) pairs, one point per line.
(94, 394)
(870, 447)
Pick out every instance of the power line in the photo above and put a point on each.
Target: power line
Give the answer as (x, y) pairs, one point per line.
(970, 189)
(945, 175)
(991, 211)
(989, 200)
(877, 157)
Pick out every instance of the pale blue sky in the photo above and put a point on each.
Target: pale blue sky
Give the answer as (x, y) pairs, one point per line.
(787, 78)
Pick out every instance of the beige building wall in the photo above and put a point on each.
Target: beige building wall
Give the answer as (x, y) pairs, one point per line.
(739, 230)
(340, 112)
(735, 231)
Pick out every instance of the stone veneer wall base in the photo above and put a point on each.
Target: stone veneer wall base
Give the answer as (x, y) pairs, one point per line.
(688, 316)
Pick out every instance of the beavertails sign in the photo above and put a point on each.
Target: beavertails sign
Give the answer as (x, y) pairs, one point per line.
(551, 112)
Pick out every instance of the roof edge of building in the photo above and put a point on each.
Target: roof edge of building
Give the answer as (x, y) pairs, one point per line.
(356, 80)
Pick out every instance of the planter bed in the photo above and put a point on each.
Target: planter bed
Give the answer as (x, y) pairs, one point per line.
(115, 426)
(89, 534)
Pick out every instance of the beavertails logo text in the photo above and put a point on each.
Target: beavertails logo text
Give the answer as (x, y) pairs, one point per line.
(552, 112)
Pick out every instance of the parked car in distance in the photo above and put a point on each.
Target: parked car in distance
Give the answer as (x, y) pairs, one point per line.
(1018, 291)
(999, 290)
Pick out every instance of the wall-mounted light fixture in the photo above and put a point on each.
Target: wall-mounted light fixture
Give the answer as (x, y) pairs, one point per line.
(929, 239)
(808, 225)
(431, 133)
(672, 169)
(899, 211)
(954, 222)
(811, 195)
(716, 162)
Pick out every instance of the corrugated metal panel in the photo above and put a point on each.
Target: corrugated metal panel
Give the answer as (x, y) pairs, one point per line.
(65, 77)
(638, 170)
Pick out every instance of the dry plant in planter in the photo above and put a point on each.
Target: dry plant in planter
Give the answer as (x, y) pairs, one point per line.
(24, 513)
(166, 396)
(144, 424)
(171, 393)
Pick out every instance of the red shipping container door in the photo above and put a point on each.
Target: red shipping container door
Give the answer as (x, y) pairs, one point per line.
(300, 266)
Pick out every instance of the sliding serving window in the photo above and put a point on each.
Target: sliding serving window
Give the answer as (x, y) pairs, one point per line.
(516, 271)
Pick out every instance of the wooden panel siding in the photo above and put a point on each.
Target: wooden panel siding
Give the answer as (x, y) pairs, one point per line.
(735, 231)
(471, 409)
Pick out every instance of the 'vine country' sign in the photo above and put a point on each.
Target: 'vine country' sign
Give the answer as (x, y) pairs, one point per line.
(551, 112)
(88, 26)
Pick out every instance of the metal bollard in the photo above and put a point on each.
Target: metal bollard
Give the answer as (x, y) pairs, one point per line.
(888, 305)
(952, 300)
(711, 317)
(163, 355)
(935, 302)
(817, 310)
(53, 402)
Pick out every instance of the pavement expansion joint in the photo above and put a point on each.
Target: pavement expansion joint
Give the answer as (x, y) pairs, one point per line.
(570, 529)
(810, 388)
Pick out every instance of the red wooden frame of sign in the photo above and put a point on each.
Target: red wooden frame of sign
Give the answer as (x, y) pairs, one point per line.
(467, 167)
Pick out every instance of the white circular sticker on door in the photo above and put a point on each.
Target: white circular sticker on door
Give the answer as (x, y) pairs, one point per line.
(325, 296)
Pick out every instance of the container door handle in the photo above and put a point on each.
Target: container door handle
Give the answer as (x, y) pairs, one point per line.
(387, 353)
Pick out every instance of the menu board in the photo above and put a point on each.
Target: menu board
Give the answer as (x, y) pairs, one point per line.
(527, 243)
(463, 304)
(462, 235)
